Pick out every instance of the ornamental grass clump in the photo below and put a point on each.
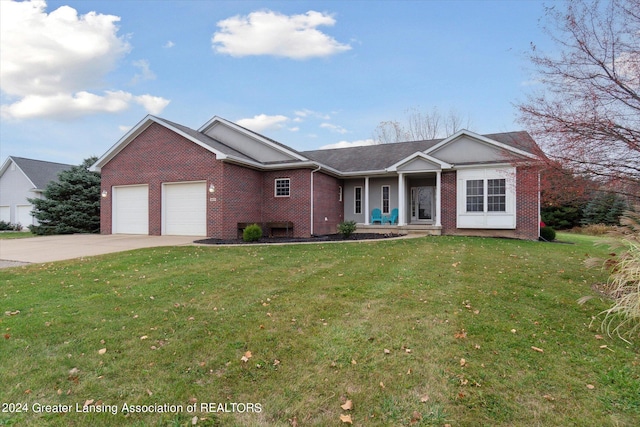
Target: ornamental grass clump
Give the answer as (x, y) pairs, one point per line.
(623, 285)
(252, 233)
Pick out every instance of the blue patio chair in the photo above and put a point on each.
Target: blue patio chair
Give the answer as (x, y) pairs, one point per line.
(393, 218)
(376, 216)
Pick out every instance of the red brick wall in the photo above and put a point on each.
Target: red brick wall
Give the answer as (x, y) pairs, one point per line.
(159, 155)
(242, 199)
(295, 208)
(326, 204)
(448, 201)
(527, 203)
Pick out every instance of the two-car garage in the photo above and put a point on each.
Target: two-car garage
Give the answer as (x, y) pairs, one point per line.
(184, 209)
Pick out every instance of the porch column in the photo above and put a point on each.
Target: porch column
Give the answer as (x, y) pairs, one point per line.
(402, 216)
(438, 199)
(366, 201)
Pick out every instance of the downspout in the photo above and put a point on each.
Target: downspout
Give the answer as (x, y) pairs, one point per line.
(312, 196)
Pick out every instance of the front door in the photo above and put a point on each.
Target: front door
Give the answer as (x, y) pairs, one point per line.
(422, 204)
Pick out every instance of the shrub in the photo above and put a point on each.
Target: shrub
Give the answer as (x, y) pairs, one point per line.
(596, 229)
(7, 226)
(346, 228)
(252, 233)
(548, 234)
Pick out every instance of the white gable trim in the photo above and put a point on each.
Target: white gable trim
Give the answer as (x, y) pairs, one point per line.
(251, 134)
(480, 138)
(423, 156)
(136, 131)
(6, 165)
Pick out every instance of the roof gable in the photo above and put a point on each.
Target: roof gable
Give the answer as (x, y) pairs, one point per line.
(419, 162)
(465, 147)
(261, 148)
(39, 172)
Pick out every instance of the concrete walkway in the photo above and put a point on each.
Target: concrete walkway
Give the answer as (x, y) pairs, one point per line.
(58, 248)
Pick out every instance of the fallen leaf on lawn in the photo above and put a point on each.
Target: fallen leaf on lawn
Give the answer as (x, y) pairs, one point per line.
(387, 351)
(463, 362)
(294, 422)
(549, 397)
(590, 386)
(424, 398)
(87, 402)
(599, 337)
(513, 331)
(407, 350)
(246, 357)
(102, 351)
(7, 336)
(460, 335)
(276, 362)
(455, 264)
(149, 392)
(539, 350)
(194, 420)
(415, 417)
(27, 391)
(347, 405)
(353, 362)
(381, 384)
(346, 419)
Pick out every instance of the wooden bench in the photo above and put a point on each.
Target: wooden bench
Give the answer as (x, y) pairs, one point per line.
(268, 227)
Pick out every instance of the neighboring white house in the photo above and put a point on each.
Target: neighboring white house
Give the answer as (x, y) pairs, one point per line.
(22, 179)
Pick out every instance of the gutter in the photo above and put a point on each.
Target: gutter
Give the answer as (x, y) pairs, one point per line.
(312, 196)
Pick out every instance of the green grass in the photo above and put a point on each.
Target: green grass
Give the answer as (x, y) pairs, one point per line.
(317, 319)
(16, 235)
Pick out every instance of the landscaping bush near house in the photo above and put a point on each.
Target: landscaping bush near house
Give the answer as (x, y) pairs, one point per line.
(7, 226)
(548, 234)
(252, 233)
(596, 229)
(347, 228)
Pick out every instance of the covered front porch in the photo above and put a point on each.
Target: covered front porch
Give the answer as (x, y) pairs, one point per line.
(410, 229)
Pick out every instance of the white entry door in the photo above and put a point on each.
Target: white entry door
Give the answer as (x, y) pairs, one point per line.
(422, 204)
(130, 210)
(185, 209)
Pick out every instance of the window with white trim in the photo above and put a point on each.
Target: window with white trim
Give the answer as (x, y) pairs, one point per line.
(340, 193)
(357, 200)
(385, 199)
(283, 187)
(496, 195)
(475, 195)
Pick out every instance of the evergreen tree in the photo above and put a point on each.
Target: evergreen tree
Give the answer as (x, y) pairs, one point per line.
(70, 205)
(604, 208)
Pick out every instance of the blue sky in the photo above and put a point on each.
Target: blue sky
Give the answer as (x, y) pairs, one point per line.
(75, 75)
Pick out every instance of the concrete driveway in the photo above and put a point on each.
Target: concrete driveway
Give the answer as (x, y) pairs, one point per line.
(58, 248)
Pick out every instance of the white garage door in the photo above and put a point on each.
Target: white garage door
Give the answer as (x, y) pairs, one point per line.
(23, 215)
(130, 214)
(185, 209)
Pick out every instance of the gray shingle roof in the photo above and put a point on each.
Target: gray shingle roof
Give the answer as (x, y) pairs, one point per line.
(207, 140)
(379, 157)
(40, 172)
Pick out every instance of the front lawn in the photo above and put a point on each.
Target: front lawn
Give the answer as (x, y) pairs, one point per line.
(416, 332)
(16, 234)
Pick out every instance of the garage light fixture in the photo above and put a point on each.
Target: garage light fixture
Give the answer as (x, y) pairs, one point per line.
(212, 189)
(104, 193)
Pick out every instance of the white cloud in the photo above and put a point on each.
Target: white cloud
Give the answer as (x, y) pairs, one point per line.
(347, 144)
(145, 71)
(169, 44)
(263, 122)
(334, 128)
(152, 104)
(304, 113)
(271, 33)
(51, 61)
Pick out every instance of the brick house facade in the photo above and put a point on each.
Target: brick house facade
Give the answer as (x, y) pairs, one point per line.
(164, 178)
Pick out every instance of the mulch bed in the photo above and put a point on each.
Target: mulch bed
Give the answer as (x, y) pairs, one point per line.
(315, 239)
